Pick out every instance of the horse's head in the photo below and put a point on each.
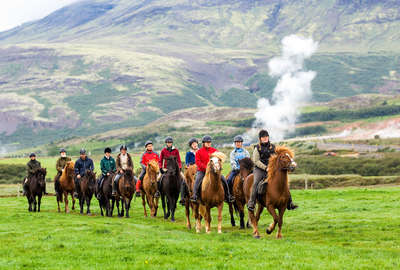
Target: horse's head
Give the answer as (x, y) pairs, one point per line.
(285, 159)
(91, 176)
(172, 164)
(216, 161)
(41, 176)
(128, 175)
(246, 166)
(153, 166)
(69, 168)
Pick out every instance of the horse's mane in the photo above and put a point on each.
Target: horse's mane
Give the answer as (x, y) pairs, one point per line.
(273, 160)
(246, 163)
(219, 155)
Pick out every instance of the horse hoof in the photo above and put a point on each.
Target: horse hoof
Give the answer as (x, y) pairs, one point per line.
(172, 220)
(219, 231)
(241, 228)
(268, 231)
(256, 236)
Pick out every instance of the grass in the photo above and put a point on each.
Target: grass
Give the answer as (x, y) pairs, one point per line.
(332, 229)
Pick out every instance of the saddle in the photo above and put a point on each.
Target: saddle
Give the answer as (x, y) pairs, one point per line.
(262, 187)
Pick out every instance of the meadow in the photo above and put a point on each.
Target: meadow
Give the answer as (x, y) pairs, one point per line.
(356, 228)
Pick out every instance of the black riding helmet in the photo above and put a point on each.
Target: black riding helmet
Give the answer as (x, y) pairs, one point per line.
(107, 150)
(191, 141)
(263, 133)
(32, 155)
(62, 150)
(147, 143)
(123, 147)
(82, 151)
(169, 140)
(206, 138)
(238, 138)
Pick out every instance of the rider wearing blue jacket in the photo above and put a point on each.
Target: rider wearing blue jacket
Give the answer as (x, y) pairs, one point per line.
(237, 154)
(81, 165)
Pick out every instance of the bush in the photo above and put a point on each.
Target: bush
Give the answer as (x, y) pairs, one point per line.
(12, 174)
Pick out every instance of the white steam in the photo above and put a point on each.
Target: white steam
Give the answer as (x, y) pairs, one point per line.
(291, 92)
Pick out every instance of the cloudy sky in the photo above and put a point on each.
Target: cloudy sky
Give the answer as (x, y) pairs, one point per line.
(16, 12)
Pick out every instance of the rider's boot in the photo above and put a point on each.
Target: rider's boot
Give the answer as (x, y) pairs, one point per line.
(291, 205)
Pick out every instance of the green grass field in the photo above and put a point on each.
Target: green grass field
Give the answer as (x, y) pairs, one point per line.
(353, 228)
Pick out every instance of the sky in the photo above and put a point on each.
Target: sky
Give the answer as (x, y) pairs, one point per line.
(16, 12)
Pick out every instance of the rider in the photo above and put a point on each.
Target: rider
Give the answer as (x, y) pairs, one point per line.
(81, 165)
(237, 154)
(124, 162)
(60, 165)
(261, 154)
(202, 159)
(107, 166)
(147, 156)
(169, 150)
(32, 166)
(189, 160)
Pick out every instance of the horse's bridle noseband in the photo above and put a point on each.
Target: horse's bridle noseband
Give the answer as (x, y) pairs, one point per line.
(292, 165)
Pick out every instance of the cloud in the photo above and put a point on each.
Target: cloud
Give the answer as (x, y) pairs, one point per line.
(16, 12)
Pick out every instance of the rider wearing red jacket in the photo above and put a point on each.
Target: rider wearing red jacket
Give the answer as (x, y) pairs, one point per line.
(168, 151)
(202, 159)
(147, 156)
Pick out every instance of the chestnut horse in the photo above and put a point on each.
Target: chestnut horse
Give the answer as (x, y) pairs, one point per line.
(126, 189)
(246, 168)
(36, 184)
(170, 187)
(67, 186)
(212, 193)
(190, 174)
(277, 195)
(149, 188)
(88, 184)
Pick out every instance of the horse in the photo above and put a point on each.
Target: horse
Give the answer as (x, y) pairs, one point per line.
(67, 186)
(170, 187)
(36, 185)
(212, 193)
(87, 187)
(277, 195)
(106, 196)
(190, 174)
(246, 168)
(126, 189)
(149, 188)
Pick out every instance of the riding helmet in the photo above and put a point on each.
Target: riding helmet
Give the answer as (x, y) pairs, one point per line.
(82, 151)
(191, 141)
(107, 150)
(169, 140)
(238, 138)
(147, 143)
(206, 138)
(123, 147)
(62, 150)
(263, 133)
(32, 155)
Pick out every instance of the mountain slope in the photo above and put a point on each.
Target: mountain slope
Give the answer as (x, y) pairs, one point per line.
(100, 65)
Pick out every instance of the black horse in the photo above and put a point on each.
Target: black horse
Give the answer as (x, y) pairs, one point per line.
(86, 191)
(36, 186)
(106, 196)
(170, 187)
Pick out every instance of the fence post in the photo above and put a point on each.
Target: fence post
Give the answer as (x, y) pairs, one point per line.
(306, 183)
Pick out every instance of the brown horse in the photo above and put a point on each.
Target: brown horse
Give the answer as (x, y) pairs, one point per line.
(190, 174)
(277, 195)
(212, 193)
(246, 168)
(126, 189)
(87, 184)
(149, 188)
(36, 185)
(67, 186)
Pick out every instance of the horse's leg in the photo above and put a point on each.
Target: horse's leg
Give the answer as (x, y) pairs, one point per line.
(34, 203)
(66, 202)
(197, 217)
(168, 206)
(173, 208)
(117, 203)
(220, 207)
(271, 226)
(122, 207)
(144, 204)
(280, 221)
(127, 206)
(81, 199)
(39, 201)
(231, 213)
(73, 200)
(187, 212)
(155, 206)
(208, 219)
(59, 199)
(28, 197)
(88, 199)
(254, 224)
(163, 205)
(112, 206)
(101, 209)
(260, 209)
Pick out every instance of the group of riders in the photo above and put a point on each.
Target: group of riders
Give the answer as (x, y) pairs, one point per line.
(198, 156)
